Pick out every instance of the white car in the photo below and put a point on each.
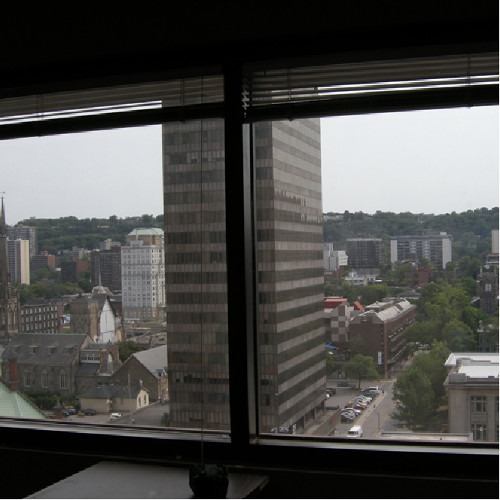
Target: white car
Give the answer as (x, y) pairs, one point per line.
(115, 416)
(355, 432)
(363, 399)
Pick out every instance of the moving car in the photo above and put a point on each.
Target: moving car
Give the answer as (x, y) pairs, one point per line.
(355, 432)
(115, 416)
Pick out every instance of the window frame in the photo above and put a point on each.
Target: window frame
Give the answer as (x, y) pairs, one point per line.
(245, 445)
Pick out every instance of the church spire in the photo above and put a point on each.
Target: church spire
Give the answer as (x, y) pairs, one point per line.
(4, 262)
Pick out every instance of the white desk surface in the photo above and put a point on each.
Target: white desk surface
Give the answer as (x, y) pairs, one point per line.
(125, 480)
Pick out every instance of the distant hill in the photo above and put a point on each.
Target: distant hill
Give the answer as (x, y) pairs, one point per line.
(471, 230)
(67, 232)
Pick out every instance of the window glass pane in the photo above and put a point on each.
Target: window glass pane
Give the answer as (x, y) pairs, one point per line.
(123, 241)
(195, 253)
(374, 240)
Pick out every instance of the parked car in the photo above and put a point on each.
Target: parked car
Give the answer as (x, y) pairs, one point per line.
(331, 391)
(365, 399)
(354, 410)
(359, 406)
(371, 391)
(360, 399)
(347, 418)
(89, 411)
(343, 384)
(355, 432)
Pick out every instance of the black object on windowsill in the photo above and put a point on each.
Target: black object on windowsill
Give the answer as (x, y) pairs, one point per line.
(208, 481)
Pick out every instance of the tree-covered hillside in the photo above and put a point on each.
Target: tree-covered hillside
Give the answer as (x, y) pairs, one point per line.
(68, 232)
(471, 230)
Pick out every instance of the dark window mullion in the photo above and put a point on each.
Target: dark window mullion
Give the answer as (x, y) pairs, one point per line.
(240, 262)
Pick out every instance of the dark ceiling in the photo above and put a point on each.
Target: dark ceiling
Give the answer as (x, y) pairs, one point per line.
(41, 48)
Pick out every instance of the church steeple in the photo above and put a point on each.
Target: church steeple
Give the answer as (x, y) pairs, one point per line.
(4, 260)
(9, 301)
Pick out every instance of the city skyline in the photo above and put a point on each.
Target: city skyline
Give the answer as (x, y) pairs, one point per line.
(437, 162)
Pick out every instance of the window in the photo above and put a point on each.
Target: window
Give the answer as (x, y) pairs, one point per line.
(478, 404)
(63, 380)
(27, 378)
(229, 314)
(478, 432)
(45, 379)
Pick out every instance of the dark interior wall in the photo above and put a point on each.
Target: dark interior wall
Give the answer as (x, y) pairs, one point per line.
(40, 47)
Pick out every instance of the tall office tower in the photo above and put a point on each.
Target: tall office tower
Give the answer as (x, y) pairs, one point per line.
(19, 261)
(435, 247)
(143, 275)
(25, 233)
(9, 302)
(106, 267)
(290, 273)
(364, 253)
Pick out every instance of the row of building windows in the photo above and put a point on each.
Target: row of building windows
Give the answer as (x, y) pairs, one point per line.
(29, 380)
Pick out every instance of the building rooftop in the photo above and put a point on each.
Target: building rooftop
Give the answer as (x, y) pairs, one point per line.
(154, 360)
(473, 367)
(152, 231)
(13, 404)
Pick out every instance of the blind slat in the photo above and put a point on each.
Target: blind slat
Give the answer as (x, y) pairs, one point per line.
(272, 88)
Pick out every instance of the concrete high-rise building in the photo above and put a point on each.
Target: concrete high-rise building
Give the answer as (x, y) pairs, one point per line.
(364, 253)
(435, 247)
(290, 274)
(25, 233)
(19, 261)
(106, 267)
(143, 275)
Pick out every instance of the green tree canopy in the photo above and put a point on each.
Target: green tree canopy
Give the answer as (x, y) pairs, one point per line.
(415, 400)
(128, 347)
(362, 368)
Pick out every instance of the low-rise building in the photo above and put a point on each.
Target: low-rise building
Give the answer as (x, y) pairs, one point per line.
(13, 404)
(42, 316)
(94, 316)
(472, 385)
(114, 398)
(51, 362)
(379, 331)
(338, 312)
(148, 368)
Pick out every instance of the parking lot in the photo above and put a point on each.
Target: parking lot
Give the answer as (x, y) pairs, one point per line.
(342, 396)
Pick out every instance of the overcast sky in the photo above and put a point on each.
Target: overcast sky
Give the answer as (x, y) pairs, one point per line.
(422, 162)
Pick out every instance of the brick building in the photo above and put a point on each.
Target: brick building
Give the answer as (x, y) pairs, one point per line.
(149, 368)
(71, 269)
(379, 331)
(42, 316)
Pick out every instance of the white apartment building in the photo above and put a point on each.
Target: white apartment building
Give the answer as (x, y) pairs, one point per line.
(333, 259)
(19, 261)
(435, 247)
(143, 275)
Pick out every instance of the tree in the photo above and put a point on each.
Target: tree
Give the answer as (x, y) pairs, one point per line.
(127, 348)
(415, 400)
(458, 336)
(330, 364)
(432, 364)
(361, 367)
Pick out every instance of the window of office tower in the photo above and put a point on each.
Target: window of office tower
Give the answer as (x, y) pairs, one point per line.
(372, 234)
(124, 250)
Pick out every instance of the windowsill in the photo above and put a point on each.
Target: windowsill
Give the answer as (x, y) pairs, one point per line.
(66, 429)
